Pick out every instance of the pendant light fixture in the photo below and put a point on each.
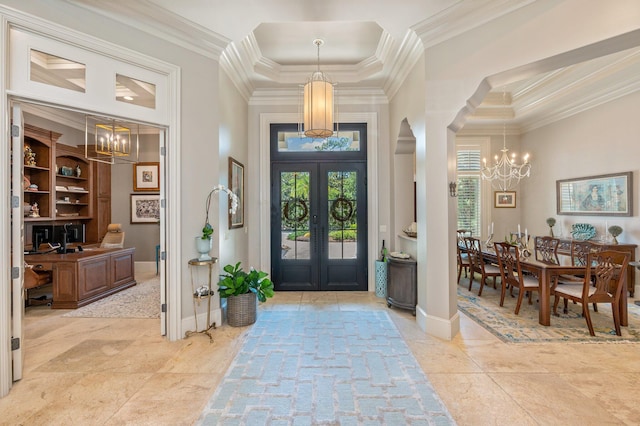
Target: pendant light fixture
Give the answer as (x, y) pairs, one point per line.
(110, 141)
(505, 173)
(318, 103)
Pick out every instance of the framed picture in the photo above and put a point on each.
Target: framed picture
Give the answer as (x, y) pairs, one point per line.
(504, 199)
(236, 185)
(603, 195)
(146, 177)
(145, 208)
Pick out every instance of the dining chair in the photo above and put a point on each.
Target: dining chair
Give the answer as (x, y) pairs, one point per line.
(607, 270)
(546, 249)
(478, 264)
(512, 276)
(579, 253)
(463, 257)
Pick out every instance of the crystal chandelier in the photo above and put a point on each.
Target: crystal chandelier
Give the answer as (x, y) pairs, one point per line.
(318, 103)
(505, 173)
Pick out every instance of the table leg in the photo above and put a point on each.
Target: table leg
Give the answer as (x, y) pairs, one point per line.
(545, 311)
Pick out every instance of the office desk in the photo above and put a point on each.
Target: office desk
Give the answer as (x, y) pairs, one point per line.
(83, 277)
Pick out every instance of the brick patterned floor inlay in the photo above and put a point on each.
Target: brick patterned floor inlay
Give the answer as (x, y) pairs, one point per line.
(308, 368)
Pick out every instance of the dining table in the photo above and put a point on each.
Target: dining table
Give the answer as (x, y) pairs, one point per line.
(546, 273)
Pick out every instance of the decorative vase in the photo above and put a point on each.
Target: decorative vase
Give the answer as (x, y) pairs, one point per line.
(204, 246)
(242, 310)
(551, 231)
(615, 240)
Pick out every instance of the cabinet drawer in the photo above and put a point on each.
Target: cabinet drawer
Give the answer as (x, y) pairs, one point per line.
(42, 266)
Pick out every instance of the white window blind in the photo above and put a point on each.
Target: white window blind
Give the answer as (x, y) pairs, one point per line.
(469, 189)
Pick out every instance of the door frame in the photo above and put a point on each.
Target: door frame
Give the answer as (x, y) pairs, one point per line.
(371, 119)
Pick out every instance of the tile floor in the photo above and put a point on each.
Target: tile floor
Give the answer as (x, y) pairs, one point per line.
(89, 371)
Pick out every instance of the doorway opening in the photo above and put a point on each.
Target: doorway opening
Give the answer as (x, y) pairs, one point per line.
(319, 210)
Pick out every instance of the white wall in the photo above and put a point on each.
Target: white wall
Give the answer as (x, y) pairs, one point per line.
(233, 143)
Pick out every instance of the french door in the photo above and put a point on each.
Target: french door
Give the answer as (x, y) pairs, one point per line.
(318, 223)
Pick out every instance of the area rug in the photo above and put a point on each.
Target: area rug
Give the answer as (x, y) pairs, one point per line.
(570, 327)
(334, 368)
(139, 301)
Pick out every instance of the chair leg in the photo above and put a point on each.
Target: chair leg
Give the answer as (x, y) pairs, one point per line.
(566, 306)
(503, 292)
(520, 297)
(471, 276)
(595, 307)
(459, 272)
(587, 316)
(616, 317)
(481, 285)
(556, 299)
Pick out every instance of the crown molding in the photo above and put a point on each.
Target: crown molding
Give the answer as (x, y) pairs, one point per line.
(291, 97)
(462, 17)
(159, 22)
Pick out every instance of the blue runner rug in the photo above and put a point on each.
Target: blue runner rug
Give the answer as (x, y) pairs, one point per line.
(332, 367)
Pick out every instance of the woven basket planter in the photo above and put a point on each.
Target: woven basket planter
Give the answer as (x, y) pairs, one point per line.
(242, 310)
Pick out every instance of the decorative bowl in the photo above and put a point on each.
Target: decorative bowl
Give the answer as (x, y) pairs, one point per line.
(582, 231)
(410, 233)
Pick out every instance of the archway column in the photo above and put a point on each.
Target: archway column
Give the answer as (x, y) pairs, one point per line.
(437, 312)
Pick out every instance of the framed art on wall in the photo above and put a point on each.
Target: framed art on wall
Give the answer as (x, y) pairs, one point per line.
(602, 195)
(146, 177)
(236, 185)
(145, 208)
(504, 199)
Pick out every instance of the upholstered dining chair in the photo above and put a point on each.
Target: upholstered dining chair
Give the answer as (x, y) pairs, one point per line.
(463, 257)
(579, 252)
(607, 270)
(478, 264)
(546, 250)
(114, 238)
(512, 276)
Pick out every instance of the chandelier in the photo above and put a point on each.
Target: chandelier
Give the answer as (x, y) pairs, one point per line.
(505, 173)
(318, 103)
(112, 141)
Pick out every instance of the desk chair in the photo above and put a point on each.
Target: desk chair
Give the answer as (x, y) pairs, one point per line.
(114, 238)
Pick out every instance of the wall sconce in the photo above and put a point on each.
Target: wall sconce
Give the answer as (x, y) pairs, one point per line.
(453, 189)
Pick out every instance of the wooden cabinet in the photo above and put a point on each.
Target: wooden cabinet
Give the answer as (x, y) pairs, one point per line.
(66, 187)
(564, 248)
(73, 184)
(402, 287)
(97, 227)
(39, 146)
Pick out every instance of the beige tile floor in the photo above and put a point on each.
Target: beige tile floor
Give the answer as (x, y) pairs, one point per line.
(89, 371)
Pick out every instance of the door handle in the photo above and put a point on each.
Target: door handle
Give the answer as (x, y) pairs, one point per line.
(314, 219)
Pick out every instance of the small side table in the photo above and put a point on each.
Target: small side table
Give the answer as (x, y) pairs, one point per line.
(198, 295)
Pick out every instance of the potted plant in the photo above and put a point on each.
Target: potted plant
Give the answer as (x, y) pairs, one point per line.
(242, 290)
(551, 222)
(204, 242)
(615, 230)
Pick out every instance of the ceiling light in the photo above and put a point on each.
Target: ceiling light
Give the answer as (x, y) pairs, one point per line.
(318, 103)
(112, 141)
(505, 173)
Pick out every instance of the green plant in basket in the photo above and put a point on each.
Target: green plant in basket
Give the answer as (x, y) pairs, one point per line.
(236, 281)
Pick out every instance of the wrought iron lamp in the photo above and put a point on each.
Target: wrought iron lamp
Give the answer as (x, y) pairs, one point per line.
(505, 173)
(113, 141)
(318, 103)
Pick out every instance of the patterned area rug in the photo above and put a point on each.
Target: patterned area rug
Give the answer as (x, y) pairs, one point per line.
(304, 368)
(139, 301)
(570, 327)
